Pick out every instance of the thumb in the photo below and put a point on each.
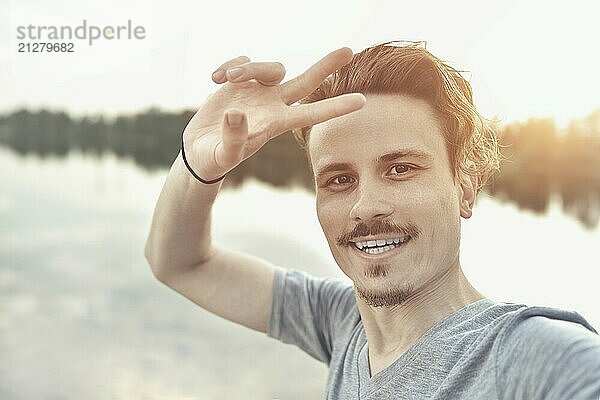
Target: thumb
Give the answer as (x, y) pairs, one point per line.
(234, 129)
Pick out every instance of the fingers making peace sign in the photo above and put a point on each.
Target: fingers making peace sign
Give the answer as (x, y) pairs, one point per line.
(253, 106)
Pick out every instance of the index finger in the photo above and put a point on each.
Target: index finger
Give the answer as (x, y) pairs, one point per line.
(304, 84)
(323, 110)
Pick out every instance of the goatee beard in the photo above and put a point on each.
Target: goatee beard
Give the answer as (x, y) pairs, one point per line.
(389, 297)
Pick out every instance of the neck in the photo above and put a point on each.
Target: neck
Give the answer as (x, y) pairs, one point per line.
(391, 331)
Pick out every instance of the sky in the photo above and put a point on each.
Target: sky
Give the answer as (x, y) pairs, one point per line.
(524, 58)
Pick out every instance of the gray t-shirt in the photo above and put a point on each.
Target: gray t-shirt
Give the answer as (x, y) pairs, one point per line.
(486, 350)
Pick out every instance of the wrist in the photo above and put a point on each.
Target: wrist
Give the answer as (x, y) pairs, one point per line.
(206, 181)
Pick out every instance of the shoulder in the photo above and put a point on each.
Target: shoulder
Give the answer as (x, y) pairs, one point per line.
(552, 327)
(320, 292)
(313, 283)
(550, 351)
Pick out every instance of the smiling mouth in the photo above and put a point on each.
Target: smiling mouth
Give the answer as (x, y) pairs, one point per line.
(380, 245)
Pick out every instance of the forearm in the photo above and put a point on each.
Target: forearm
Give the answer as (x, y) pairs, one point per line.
(179, 235)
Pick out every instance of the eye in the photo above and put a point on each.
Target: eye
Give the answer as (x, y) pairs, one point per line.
(401, 169)
(341, 180)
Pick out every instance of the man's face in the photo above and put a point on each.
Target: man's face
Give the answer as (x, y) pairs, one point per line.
(386, 197)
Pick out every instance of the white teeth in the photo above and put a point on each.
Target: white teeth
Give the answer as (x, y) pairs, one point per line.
(378, 250)
(380, 245)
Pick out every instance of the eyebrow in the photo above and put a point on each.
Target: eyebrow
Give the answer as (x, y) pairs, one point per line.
(395, 155)
(332, 167)
(411, 153)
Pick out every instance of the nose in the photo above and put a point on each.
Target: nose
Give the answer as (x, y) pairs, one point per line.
(372, 203)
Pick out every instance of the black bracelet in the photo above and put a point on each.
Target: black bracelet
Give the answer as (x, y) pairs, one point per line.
(192, 171)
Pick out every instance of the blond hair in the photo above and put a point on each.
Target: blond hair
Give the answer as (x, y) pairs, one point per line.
(407, 68)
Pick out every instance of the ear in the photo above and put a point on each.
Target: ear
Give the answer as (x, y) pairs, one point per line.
(467, 191)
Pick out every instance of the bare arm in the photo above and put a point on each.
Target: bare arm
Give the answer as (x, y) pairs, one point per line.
(230, 127)
(231, 284)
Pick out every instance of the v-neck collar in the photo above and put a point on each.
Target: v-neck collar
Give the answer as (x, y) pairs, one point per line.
(368, 384)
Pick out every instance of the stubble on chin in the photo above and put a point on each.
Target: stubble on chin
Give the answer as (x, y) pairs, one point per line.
(393, 295)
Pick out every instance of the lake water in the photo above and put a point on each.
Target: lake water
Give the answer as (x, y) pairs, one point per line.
(82, 317)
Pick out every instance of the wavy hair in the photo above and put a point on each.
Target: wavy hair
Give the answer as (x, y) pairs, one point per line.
(408, 68)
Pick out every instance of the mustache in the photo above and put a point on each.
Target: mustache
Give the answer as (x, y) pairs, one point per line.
(378, 227)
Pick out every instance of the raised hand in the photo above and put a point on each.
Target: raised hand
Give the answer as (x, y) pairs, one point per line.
(252, 107)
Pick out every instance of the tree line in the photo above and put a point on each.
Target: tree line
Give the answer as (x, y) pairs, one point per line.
(540, 162)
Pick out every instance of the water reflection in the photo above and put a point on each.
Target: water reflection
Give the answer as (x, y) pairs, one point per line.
(541, 161)
(82, 317)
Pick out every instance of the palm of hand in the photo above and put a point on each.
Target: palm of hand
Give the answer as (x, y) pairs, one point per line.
(217, 147)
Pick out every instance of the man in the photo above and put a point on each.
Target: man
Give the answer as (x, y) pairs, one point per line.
(398, 153)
